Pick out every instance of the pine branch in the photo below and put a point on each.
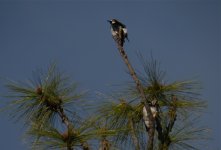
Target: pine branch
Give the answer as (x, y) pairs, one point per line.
(133, 134)
(172, 115)
(164, 136)
(70, 128)
(144, 99)
(159, 129)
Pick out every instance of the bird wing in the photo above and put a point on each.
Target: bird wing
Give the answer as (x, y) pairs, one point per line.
(121, 24)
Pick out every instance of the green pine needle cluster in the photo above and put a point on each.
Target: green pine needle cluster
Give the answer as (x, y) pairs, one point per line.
(51, 107)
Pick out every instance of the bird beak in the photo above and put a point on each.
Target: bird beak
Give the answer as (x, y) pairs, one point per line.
(109, 21)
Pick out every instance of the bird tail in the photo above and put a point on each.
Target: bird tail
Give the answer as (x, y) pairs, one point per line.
(127, 39)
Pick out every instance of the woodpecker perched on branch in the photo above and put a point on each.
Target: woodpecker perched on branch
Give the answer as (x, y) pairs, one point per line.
(118, 30)
(154, 111)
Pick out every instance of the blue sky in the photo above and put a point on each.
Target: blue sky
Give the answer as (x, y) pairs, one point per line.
(183, 35)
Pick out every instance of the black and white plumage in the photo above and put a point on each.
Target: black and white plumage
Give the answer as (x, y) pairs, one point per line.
(154, 112)
(145, 115)
(118, 30)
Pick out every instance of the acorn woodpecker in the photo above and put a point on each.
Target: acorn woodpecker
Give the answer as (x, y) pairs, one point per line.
(118, 28)
(154, 111)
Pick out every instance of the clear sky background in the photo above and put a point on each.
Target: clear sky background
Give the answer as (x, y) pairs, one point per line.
(183, 35)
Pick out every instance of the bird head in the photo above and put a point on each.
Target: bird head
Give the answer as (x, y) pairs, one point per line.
(112, 21)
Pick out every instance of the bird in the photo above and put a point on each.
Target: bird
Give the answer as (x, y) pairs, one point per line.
(153, 110)
(118, 30)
